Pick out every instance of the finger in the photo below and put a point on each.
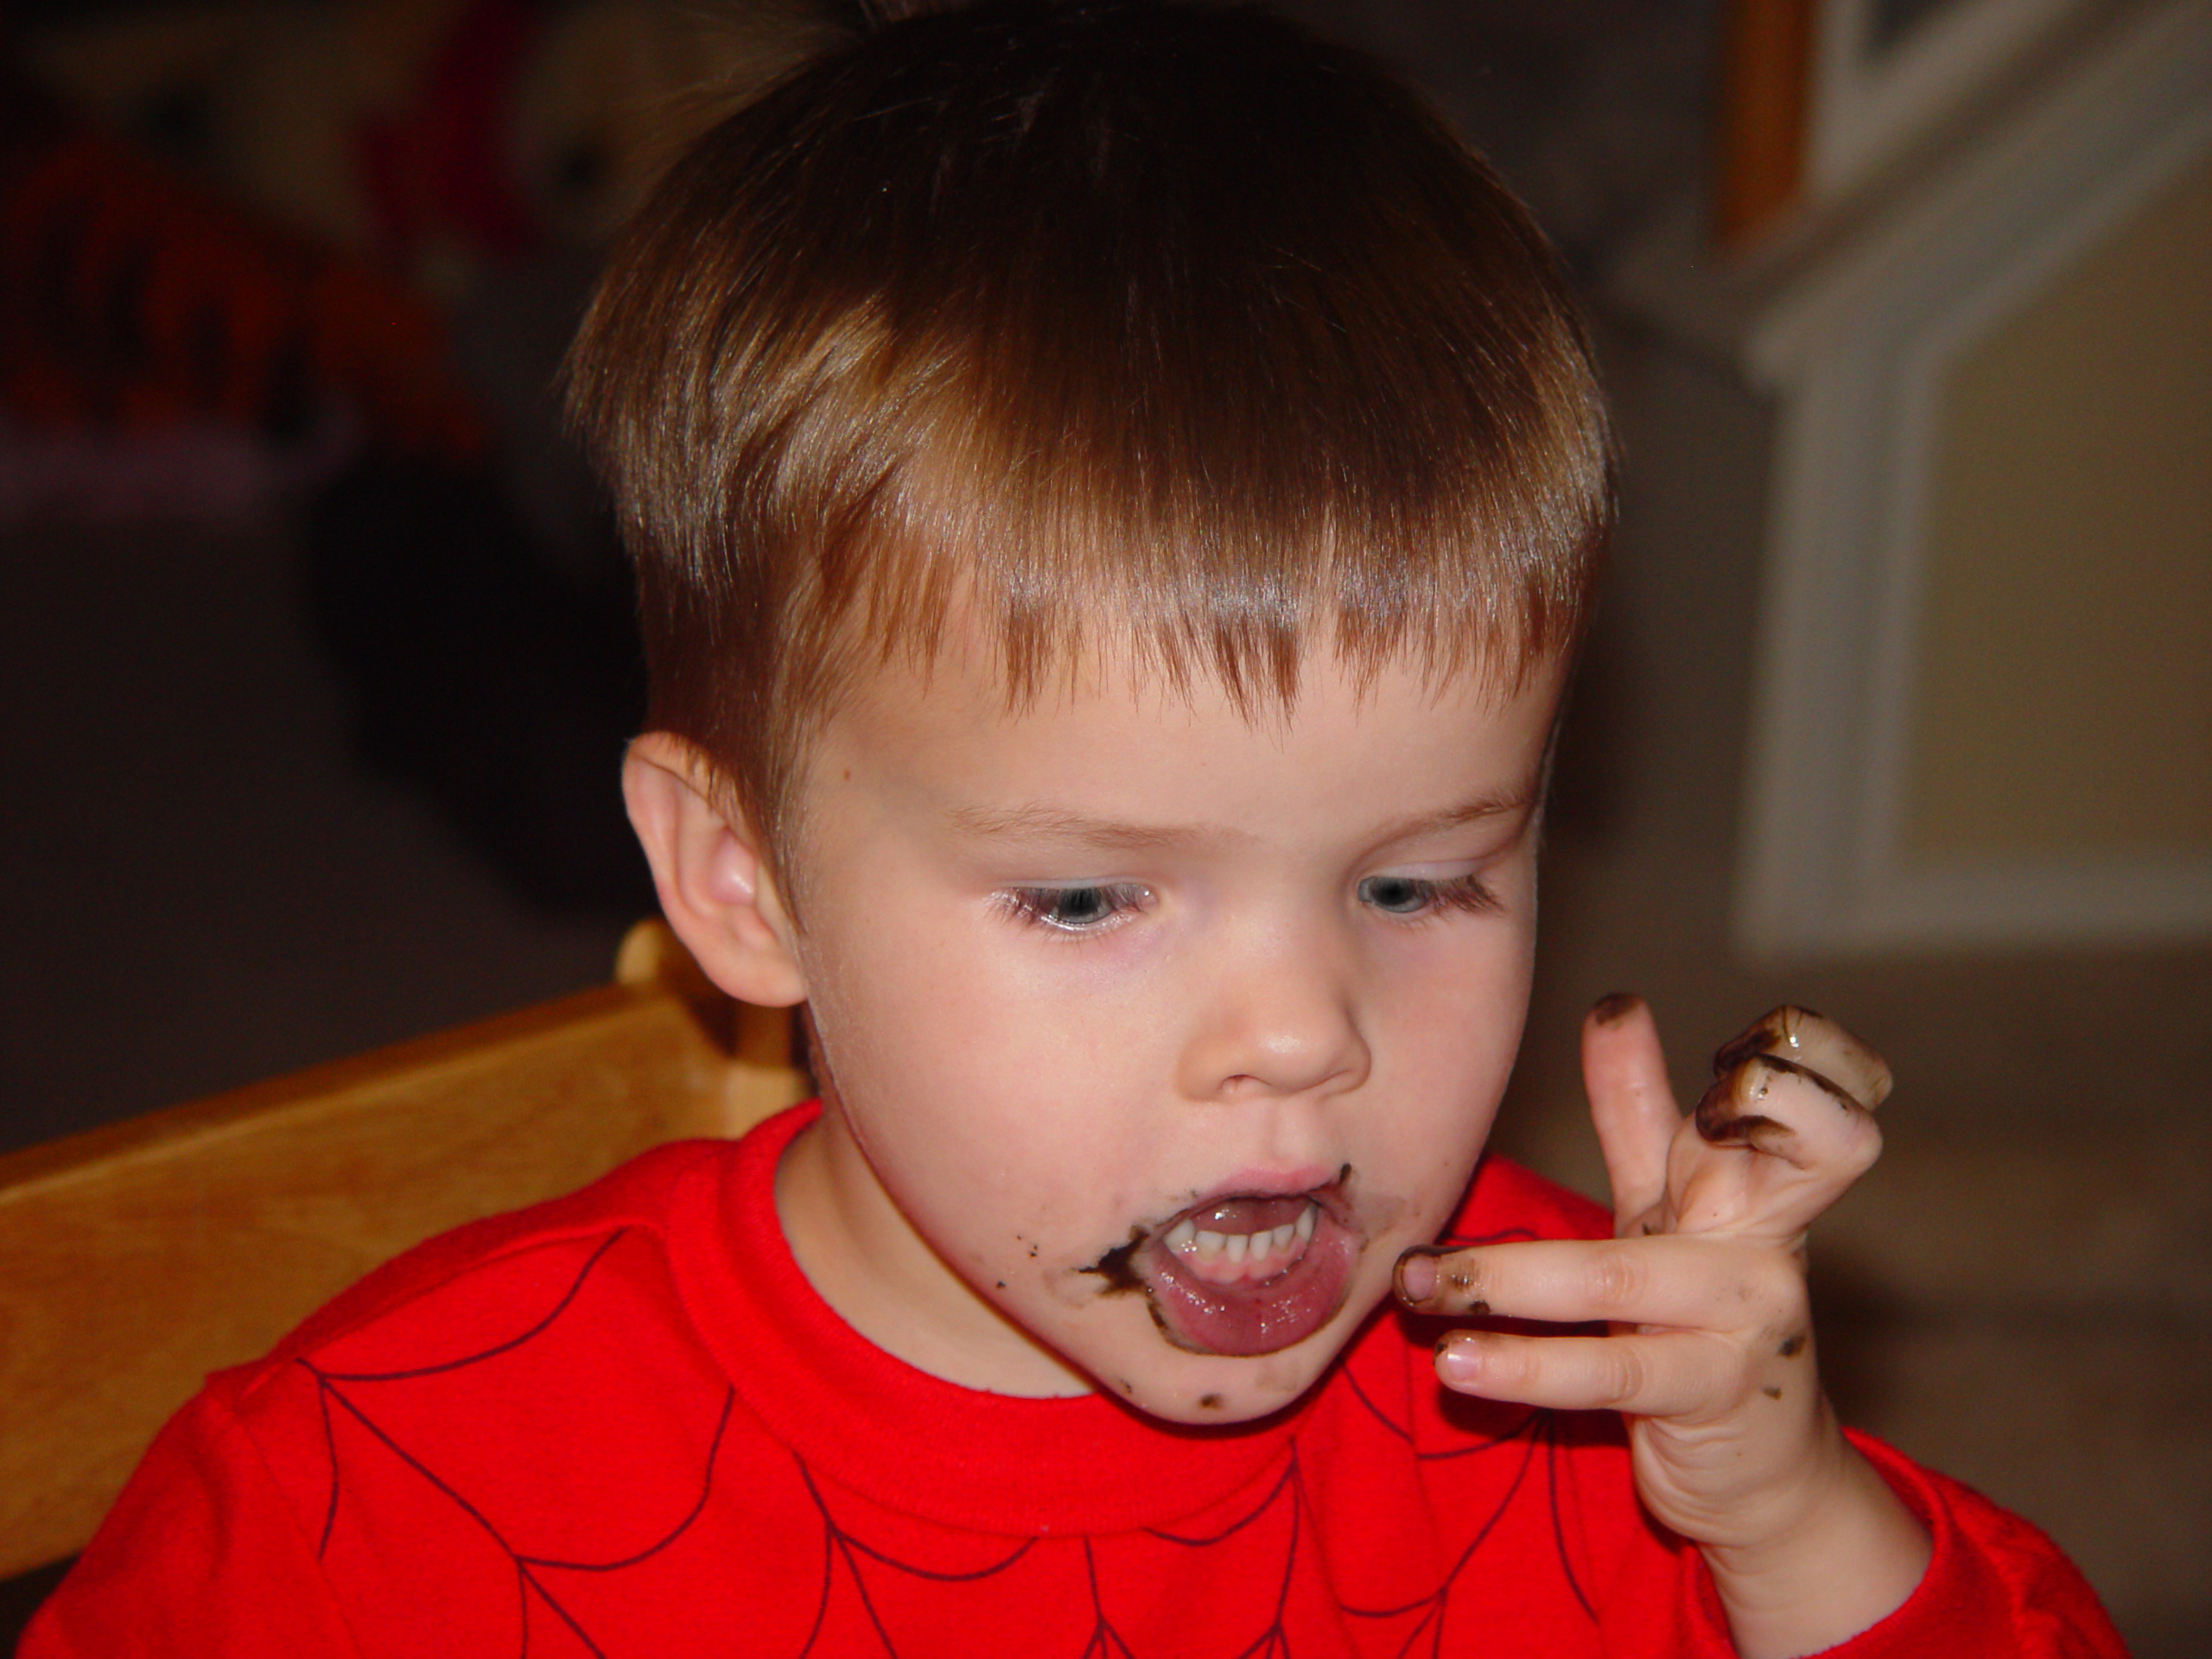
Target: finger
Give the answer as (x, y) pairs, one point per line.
(1769, 1148)
(1776, 1107)
(1625, 1072)
(1673, 1374)
(1824, 1049)
(1706, 1283)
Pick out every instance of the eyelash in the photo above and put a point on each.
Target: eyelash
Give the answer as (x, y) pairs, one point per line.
(1466, 894)
(1037, 907)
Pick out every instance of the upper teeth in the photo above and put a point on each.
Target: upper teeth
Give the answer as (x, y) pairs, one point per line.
(1186, 1238)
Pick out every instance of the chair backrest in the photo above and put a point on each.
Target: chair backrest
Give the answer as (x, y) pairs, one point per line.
(137, 1257)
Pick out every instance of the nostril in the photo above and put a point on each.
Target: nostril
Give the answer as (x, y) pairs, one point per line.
(1259, 1040)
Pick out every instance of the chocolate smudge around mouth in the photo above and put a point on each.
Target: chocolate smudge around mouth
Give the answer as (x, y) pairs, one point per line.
(1114, 1267)
(1121, 1279)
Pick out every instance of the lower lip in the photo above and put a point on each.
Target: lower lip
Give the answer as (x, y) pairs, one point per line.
(1255, 1319)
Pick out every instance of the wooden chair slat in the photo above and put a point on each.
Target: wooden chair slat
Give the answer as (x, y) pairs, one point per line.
(137, 1257)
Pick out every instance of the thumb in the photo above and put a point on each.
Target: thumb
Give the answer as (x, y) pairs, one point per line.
(1625, 1073)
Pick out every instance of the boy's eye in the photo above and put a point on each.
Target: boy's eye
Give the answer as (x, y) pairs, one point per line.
(1418, 895)
(1074, 910)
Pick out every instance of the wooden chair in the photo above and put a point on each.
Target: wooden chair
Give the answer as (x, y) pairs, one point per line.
(137, 1257)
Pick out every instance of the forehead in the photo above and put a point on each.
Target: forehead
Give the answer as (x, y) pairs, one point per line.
(1114, 747)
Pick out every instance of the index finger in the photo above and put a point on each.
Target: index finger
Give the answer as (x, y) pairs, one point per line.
(1687, 1281)
(1624, 1074)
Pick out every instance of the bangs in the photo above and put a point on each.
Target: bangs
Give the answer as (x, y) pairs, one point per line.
(1222, 538)
(1163, 331)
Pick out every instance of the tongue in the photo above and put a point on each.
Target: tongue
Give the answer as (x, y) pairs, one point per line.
(1216, 1307)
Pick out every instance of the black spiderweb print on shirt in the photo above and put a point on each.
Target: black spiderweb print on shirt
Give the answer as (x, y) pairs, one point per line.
(336, 1392)
(1425, 1616)
(849, 1562)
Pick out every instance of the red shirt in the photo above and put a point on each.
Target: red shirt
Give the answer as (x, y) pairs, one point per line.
(622, 1423)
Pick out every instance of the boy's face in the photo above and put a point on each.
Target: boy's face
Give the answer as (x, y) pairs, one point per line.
(1152, 1035)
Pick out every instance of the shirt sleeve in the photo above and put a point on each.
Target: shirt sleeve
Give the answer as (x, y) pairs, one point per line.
(1996, 1588)
(202, 1554)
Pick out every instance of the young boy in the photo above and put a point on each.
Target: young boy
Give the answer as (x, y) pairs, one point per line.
(1115, 489)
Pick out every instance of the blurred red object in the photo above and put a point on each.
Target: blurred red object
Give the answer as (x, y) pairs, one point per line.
(133, 297)
(442, 167)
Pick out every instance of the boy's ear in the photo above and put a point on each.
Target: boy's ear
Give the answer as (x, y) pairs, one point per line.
(714, 886)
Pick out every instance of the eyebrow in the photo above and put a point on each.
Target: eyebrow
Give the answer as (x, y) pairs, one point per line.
(1057, 824)
(1453, 817)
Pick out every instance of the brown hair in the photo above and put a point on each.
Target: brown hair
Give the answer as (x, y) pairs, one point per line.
(1163, 327)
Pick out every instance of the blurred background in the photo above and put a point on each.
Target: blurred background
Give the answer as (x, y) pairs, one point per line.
(318, 656)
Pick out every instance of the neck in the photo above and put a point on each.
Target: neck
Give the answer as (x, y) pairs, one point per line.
(863, 1257)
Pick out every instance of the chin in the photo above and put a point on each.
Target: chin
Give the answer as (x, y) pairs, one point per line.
(1217, 1391)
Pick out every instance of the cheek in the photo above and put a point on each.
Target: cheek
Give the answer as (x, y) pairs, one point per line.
(984, 1087)
(1455, 1030)
(1016, 1024)
(1457, 1005)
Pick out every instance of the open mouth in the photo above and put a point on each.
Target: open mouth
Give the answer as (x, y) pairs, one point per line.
(1242, 1241)
(1246, 1274)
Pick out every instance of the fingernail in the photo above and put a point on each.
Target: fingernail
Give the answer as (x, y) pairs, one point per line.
(1458, 1358)
(1417, 1274)
(1724, 1116)
(1610, 1010)
(1770, 1032)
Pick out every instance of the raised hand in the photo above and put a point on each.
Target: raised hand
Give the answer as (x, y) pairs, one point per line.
(1711, 1360)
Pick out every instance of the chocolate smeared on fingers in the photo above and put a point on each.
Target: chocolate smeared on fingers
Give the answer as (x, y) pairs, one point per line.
(1788, 1042)
(1817, 1046)
(1727, 1114)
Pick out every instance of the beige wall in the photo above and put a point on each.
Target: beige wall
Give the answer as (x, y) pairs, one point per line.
(2064, 691)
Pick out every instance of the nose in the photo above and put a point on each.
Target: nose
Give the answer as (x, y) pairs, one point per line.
(1274, 1017)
